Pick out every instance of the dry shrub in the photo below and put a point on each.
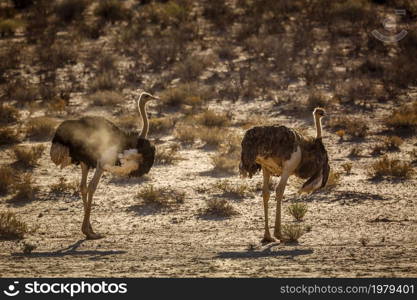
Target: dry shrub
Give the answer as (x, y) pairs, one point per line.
(23, 93)
(315, 99)
(128, 122)
(218, 208)
(297, 210)
(211, 136)
(28, 156)
(191, 68)
(104, 81)
(393, 143)
(57, 55)
(11, 227)
(174, 12)
(70, 10)
(41, 128)
(8, 136)
(403, 118)
(64, 187)
(292, 232)
(162, 51)
(219, 13)
(7, 179)
(186, 134)
(168, 155)
(232, 190)
(105, 98)
(185, 94)
(8, 27)
(390, 167)
(228, 156)
(111, 11)
(347, 167)
(159, 125)
(25, 190)
(160, 197)
(8, 114)
(353, 126)
(355, 152)
(211, 118)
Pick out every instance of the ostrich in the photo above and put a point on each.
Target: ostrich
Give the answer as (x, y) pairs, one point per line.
(95, 142)
(281, 151)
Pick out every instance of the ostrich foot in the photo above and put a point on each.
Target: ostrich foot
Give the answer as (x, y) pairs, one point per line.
(267, 239)
(93, 236)
(278, 235)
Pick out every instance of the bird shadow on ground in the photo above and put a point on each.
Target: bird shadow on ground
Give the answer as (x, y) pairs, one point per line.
(266, 252)
(146, 209)
(70, 250)
(215, 173)
(128, 180)
(344, 197)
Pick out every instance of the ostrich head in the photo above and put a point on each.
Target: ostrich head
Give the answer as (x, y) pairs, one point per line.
(319, 112)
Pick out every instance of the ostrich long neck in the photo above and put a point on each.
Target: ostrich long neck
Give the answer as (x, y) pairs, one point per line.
(142, 112)
(317, 121)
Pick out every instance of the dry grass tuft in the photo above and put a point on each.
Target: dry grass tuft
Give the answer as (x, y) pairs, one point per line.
(390, 167)
(25, 190)
(8, 114)
(403, 118)
(64, 187)
(167, 155)
(211, 118)
(218, 208)
(11, 227)
(191, 94)
(160, 197)
(315, 99)
(347, 167)
(297, 210)
(186, 134)
(111, 11)
(159, 125)
(28, 156)
(292, 232)
(334, 180)
(8, 136)
(105, 98)
(7, 179)
(41, 128)
(353, 126)
(104, 81)
(232, 190)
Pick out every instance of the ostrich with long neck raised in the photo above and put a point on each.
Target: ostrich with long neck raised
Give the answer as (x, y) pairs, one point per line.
(95, 142)
(282, 151)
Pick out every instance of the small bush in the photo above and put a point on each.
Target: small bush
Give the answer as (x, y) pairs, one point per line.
(230, 190)
(111, 11)
(224, 164)
(211, 136)
(186, 134)
(211, 118)
(352, 126)
(292, 232)
(28, 156)
(191, 68)
(393, 143)
(64, 187)
(315, 99)
(297, 210)
(159, 125)
(347, 167)
(389, 167)
(403, 118)
(8, 27)
(105, 98)
(7, 180)
(25, 190)
(355, 152)
(8, 136)
(11, 227)
(23, 93)
(8, 114)
(70, 10)
(160, 197)
(41, 128)
(167, 156)
(185, 94)
(218, 208)
(104, 81)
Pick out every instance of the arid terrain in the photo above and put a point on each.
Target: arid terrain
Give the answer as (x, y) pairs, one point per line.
(219, 68)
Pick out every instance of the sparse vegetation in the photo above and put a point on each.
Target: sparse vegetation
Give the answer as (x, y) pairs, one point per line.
(11, 227)
(7, 179)
(160, 125)
(167, 155)
(218, 208)
(41, 128)
(111, 11)
(297, 210)
(64, 187)
(191, 94)
(232, 190)
(105, 98)
(355, 127)
(403, 118)
(28, 156)
(390, 167)
(347, 167)
(25, 189)
(8, 136)
(292, 232)
(160, 197)
(8, 114)
(211, 118)
(334, 179)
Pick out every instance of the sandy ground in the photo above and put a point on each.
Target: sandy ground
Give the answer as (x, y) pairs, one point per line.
(361, 228)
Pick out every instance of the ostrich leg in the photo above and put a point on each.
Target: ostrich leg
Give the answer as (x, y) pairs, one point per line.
(83, 184)
(279, 193)
(86, 227)
(265, 195)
